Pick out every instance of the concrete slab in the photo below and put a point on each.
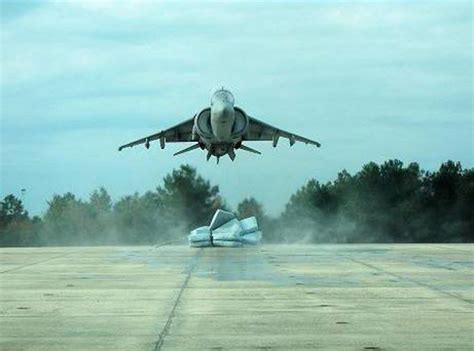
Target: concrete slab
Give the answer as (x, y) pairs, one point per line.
(328, 297)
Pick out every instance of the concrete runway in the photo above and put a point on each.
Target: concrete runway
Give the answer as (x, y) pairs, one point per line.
(325, 297)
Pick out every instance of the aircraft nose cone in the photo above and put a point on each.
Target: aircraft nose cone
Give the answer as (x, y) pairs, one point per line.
(223, 108)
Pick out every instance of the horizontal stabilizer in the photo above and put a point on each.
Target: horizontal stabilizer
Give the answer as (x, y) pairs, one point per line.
(191, 148)
(249, 149)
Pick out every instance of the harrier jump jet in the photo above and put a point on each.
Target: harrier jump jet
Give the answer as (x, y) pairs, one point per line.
(220, 129)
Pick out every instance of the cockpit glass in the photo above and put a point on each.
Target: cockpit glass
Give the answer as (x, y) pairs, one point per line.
(223, 95)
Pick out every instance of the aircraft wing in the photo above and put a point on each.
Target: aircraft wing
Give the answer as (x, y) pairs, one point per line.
(179, 133)
(261, 131)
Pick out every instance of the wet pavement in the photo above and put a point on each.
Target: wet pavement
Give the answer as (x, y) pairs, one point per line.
(286, 297)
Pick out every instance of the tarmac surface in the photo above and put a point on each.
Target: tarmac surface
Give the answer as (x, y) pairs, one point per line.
(286, 297)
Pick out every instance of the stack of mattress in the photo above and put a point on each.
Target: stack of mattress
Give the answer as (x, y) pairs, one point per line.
(226, 230)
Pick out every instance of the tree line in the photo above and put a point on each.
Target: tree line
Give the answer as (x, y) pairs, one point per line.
(389, 202)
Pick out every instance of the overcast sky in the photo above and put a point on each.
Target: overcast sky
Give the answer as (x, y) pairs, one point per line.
(370, 81)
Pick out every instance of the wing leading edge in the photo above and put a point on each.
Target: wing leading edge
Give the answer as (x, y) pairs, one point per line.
(261, 131)
(181, 132)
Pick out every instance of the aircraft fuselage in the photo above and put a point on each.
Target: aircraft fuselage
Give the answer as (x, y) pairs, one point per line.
(220, 132)
(222, 120)
(220, 129)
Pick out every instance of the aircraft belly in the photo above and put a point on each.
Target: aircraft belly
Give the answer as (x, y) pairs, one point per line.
(222, 121)
(222, 130)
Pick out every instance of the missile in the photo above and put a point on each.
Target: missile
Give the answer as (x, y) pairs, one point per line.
(292, 140)
(249, 149)
(276, 136)
(231, 154)
(190, 148)
(162, 142)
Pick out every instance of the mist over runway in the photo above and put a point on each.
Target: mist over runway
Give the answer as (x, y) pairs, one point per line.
(338, 297)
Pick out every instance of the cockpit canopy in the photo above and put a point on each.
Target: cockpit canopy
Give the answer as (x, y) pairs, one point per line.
(222, 95)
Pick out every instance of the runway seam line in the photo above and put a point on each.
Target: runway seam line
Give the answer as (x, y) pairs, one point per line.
(410, 280)
(38, 262)
(166, 328)
(453, 249)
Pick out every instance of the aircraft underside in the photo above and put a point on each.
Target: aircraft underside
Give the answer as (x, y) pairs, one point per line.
(220, 129)
(218, 149)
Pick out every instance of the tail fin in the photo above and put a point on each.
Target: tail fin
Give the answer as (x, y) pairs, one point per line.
(193, 147)
(231, 154)
(249, 149)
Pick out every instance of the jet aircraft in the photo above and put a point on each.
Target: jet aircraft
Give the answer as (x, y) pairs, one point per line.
(220, 129)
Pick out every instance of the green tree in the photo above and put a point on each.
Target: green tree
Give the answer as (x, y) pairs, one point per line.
(250, 207)
(16, 227)
(385, 203)
(183, 202)
(465, 206)
(11, 208)
(136, 219)
(187, 198)
(380, 203)
(100, 211)
(100, 201)
(450, 200)
(67, 222)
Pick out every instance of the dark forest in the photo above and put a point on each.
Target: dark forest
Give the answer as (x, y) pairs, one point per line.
(384, 203)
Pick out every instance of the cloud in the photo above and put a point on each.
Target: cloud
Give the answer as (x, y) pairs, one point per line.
(370, 81)
(11, 9)
(117, 8)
